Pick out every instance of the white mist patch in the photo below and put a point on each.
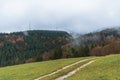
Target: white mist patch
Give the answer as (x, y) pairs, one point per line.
(26, 33)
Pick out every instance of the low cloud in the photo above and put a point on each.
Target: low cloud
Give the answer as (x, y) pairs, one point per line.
(71, 15)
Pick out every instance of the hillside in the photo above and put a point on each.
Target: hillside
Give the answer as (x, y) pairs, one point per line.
(111, 48)
(29, 46)
(97, 43)
(104, 68)
(31, 71)
(100, 37)
(41, 45)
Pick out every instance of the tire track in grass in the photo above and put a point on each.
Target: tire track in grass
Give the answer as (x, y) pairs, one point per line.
(74, 71)
(62, 69)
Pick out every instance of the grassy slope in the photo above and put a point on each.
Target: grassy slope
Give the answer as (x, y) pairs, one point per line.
(64, 72)
(33, 70)
(105, 68)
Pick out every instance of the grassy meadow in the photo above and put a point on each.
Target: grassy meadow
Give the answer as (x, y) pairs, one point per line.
(65, 71)
(104, 68)
(31, 71)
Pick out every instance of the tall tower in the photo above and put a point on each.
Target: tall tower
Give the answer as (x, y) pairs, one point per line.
(29, 26)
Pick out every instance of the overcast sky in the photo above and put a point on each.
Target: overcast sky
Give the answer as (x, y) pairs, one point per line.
(71, 15)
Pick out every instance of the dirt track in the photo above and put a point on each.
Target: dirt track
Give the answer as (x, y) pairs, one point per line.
(74, 71)
(69, 74)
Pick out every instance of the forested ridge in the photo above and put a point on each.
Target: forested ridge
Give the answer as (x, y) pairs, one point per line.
(41, 45)
(99, 43)
(29, 46)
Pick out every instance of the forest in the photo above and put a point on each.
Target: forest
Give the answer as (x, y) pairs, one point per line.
(28, 46)
(40, 45)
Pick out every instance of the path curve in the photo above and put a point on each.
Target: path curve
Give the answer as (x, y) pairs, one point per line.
(63, 68)
(74, 71)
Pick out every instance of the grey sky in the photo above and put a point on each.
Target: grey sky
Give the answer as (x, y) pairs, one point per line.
(71, 15)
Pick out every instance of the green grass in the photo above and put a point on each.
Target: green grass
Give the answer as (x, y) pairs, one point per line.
(34, 70)
(104, 68)
(64, 72)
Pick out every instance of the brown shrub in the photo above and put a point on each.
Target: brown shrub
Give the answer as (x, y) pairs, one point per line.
(112, 48)
(30, 60)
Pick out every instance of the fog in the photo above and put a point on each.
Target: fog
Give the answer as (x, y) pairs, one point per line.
(70, 15)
